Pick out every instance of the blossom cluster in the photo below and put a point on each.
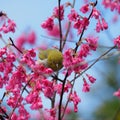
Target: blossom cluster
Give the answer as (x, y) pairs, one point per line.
(7, 25)
(112, 4)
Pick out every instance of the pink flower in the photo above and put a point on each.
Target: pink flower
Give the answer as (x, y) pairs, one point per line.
(23, 114)
(84, 50)
(11, 26)
(67, 86)
(48, 92)
(55, 32)
(34, 99)
(8, 27)
(73, 63)
(1, 81)
(67, 58)
(58, 88)
(75, 99)
(56, 12)
(11, 57)
(85, 22)
(51, 113)
(84, 8)
(2, 66)
(48, 71)
(14, 116)
(48, 24)
(47, 87)
(106, 3)
(15, 82)
(73, 16)
(91, 78)
(28, 58)
(77, 24)
(86, 86)
(104, 24)
(80, 24)
(36, 104)
(12, 101)
(117, 93)
(96, 14)
(78, 64)
(31, 53)
(92, 42)
(3, 51)
(117, 42)
(99, 26)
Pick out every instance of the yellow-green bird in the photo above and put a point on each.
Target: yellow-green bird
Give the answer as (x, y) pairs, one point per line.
(51, 58)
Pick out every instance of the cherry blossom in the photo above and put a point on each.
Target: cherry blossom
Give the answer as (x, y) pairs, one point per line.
(117, 93)
(8, 26)
(56, 12)
(85, 8)
(73, 16)
(117, 41)
(75, 99)
(48, 24)
(91, 78)
(86, 86)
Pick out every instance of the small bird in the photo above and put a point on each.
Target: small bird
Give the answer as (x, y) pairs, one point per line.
(51, 58)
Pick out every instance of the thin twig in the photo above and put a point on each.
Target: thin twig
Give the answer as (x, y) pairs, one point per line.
(15, 45)
(3, 97)
(56, 39)
(68, 29)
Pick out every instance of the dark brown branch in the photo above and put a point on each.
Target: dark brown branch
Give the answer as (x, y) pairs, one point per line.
(60, 26)
(15, 45)
(61, 98)
(56, 78)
